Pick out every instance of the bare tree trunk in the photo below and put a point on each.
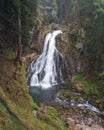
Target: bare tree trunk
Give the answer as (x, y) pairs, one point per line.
(19, 35)
(19, 49)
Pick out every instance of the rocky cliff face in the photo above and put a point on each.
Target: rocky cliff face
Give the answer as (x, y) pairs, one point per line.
(73, 52)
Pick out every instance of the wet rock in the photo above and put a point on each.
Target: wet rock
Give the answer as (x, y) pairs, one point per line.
(80, 100)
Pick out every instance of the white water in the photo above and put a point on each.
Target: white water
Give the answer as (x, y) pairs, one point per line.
(73, 103)
(50, 68)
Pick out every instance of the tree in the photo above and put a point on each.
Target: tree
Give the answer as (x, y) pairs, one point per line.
(17, 17)
(54, 6)
(97, 32)
(89, 16)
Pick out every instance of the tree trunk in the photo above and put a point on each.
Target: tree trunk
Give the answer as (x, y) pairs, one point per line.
(19, 49)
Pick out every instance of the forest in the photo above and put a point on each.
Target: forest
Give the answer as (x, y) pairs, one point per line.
(23, 27)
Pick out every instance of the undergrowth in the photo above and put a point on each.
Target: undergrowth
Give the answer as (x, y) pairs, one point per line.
(93, 88)
(52, 119)
(88, 86)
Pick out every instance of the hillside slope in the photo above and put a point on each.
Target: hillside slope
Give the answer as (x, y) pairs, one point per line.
(15, 110)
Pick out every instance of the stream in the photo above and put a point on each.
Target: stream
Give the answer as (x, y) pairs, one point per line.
(74, 103)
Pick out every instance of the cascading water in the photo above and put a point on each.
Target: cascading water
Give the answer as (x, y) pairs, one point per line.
(50, 68)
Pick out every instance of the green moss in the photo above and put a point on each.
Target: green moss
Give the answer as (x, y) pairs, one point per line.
(54, 115)
(78, 77)
(52, 112)
(8, 121)
(52, 119)
(33, 104)
(24, 115)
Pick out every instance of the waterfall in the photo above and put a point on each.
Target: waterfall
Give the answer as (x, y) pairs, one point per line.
(50, 68)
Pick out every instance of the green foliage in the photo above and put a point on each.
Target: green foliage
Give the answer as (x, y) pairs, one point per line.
(54, 5)
(33, 104)
(10, 13)
(78, 77)
(94, 32)
(101, 75)
(89, 15)
(54, 115)
(88, 87)
(53, 119)
(91, 90)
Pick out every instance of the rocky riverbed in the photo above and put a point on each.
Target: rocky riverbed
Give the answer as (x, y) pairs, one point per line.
(80, 118)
